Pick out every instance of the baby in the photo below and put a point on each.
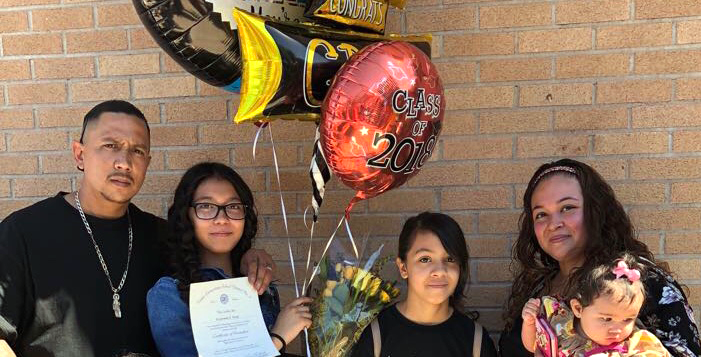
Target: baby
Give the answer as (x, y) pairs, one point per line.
(600, 318)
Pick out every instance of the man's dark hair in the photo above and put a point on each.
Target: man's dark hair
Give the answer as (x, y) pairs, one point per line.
(112, 106)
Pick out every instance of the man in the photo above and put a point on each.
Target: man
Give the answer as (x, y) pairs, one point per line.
(75, 268)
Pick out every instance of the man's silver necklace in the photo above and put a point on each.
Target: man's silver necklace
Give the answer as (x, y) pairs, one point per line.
(115, 291)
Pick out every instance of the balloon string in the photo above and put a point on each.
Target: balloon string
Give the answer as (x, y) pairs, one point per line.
(284, 211)
(255, 140)
(350, 236)
(309, 258)
(326, 248)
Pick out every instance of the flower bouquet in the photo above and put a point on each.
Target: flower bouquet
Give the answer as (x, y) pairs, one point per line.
(351, 298)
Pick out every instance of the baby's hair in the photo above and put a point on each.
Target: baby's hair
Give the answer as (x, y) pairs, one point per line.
(602, 281)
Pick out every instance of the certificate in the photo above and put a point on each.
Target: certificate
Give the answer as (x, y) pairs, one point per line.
(227, 321)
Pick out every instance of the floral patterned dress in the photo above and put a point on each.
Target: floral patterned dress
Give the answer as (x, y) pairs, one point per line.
(641, 343)
(667, 314)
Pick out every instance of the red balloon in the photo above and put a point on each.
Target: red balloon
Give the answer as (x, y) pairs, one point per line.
(381, 118)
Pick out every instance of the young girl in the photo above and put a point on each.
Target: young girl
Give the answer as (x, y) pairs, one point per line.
(212, 223)
(433, 259)
(600, 319)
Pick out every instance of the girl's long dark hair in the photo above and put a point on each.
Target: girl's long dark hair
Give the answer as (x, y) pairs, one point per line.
(182, 249)
(608, 229)
(453, 240)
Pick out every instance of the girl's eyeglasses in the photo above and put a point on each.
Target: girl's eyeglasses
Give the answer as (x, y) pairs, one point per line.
(235, 211)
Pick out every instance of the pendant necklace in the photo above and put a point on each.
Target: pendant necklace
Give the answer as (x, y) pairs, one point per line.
(115, 291)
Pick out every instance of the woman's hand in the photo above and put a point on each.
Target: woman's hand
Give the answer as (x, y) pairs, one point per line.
(259, 266)
(530, 311)
(293, 319)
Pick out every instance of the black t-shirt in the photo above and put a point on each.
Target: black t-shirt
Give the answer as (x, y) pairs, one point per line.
(404, 338)
(55, 299)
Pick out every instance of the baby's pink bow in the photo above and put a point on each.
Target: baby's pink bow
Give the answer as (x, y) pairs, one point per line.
(622, 270)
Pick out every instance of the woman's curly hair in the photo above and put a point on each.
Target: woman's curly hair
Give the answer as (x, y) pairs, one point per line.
(182, 247)
(608, 228)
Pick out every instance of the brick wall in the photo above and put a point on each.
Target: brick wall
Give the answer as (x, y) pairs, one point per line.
(615, 83)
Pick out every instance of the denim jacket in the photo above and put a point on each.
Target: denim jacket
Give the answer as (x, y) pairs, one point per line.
(169, 315)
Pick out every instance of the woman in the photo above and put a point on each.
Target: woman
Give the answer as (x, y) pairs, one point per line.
(212, 223)
(571, 222)
(433, 258)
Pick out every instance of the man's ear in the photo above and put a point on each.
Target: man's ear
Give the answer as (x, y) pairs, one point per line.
(77, 149)
(402, 268)
(576, 308)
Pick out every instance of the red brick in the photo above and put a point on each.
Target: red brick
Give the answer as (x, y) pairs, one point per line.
(631, 143)
(160, 183)
(479, 97)
(514, 70)
(195, 111)
(117, 15)
(173, 135)
(18, 164)
(444, 174)
(456, 72)
(120, 65)
(140, 39)
(478, 44)
(96, 41)
(683, 243)
(668, 62)
(421, 20)
(666, 218)
(689, 32)
(14, 70)
(653, 9)
(476, 198)
(571, 39)
(61, 163)
(615, 64)
(459, 123)
(287, 156)
(665, 168)
(37, 93)
(639, 193)
(226, 134)
(643, 35)
(661, 116)
(499, 222)
(685, 268)
(206, 90)
(506, 172)
(11, 3)
(634, 91)
(56, 117)
(183, 159)
(547, 146)
(62, 19)
(38, 140)
(515, 15)
(404, 200)
(586, 11)
(100, 90)
(16, 119)
(556, 94)
(40, 187)
(688, 88)
(685, 192)
(591, 119)
(514, 121)
(31, 44)
(64, 68)
(477, 148)
(164, 87)
(687, 141)
(493, 271)
(15, 21)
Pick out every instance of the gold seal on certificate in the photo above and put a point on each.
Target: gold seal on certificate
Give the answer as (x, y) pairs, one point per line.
(227, 321)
